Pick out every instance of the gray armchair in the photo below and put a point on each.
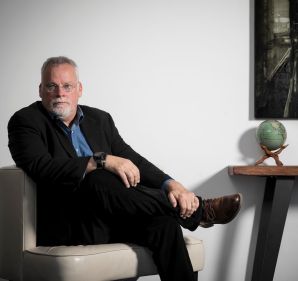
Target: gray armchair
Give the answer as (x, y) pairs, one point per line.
(22, 260)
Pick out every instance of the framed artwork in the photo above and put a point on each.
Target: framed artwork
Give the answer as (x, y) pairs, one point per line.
(276, 54)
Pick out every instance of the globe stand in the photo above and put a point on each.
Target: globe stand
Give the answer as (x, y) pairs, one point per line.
(273, 154)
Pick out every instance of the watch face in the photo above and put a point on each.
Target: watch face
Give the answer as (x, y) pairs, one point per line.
(100, 159)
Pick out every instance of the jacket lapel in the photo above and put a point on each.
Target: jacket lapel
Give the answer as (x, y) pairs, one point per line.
(67, 145)
(91, 132)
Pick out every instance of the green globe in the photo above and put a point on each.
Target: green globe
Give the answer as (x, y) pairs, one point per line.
(272, 134)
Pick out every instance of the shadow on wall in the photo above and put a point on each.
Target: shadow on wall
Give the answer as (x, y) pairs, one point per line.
(249, 147)
(252, 189)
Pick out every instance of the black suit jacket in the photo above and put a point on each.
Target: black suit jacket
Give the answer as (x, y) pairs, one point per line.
(45, 153)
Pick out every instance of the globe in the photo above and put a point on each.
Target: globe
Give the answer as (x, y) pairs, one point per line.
(272, 134)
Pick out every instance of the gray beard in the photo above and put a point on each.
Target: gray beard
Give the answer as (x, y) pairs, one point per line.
(61, 113)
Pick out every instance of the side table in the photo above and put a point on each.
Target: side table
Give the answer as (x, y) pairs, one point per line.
(279, 184)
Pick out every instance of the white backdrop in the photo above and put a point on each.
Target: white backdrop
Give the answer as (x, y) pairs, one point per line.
(177, 76)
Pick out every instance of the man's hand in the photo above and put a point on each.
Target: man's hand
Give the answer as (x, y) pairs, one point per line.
(186, 200)
(124, 168)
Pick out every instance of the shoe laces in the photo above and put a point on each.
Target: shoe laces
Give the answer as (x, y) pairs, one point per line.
(208, 210)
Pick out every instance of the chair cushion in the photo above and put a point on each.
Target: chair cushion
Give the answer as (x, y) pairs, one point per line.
(98, 262)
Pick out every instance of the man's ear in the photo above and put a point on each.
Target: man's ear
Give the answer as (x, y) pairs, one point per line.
(39, 88)
(80, 89)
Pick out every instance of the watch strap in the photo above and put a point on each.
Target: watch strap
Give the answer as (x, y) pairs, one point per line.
(100, 159)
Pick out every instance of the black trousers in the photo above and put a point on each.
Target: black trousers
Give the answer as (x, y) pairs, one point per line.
(108, 212)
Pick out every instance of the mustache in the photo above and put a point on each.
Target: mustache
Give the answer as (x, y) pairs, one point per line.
(59, 100)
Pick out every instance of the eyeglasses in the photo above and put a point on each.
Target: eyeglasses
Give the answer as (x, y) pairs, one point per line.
(52, 87)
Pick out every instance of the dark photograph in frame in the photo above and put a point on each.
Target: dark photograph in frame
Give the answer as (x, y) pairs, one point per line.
(276, 53)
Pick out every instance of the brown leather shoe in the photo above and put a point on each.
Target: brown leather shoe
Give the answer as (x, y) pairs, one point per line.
(220, 210)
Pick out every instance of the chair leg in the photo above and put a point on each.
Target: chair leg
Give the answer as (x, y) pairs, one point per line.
(196, 275)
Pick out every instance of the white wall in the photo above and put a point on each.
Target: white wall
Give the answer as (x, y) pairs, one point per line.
(177, 77)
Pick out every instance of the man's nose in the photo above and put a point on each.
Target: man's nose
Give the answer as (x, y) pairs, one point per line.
(60, 91)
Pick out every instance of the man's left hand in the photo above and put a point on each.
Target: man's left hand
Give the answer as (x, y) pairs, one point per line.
(185, 199)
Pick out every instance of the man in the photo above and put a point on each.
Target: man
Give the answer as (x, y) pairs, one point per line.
(94, 188)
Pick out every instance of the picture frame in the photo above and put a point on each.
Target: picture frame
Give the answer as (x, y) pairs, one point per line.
(276, 55)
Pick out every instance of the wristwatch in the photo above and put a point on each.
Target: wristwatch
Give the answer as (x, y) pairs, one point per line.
(100, 159)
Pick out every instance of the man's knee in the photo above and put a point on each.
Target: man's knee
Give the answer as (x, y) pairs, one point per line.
(102, 178)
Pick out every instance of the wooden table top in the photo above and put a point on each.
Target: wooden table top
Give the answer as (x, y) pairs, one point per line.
(264, 170)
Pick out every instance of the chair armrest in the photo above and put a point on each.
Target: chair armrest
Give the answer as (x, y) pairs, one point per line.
(17, 219)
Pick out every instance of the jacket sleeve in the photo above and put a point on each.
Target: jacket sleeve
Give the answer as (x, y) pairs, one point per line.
(151, 175)
(29, 142)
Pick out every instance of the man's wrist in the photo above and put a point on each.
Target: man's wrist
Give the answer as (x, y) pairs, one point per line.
(100, 159)
(165, 184)
(91, 165)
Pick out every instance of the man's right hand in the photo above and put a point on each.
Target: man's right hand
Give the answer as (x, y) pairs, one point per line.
(124, 168)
